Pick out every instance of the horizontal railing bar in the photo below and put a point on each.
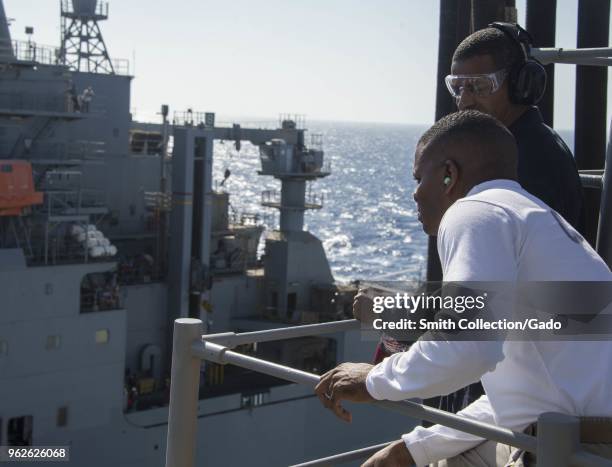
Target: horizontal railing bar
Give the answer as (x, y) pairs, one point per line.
(222, 355)
(219, 354)
(231, 339)
(344, 457)
(559, 55)
(586, 52)
(587, 61)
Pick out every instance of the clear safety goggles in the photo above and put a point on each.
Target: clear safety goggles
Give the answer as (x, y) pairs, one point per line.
(478, 85)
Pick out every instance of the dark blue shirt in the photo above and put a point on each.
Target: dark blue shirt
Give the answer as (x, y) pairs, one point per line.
(546, 166)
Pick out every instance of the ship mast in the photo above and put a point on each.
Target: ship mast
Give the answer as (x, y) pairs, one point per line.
(82, 47)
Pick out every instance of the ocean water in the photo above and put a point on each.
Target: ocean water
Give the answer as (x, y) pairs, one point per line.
(368, 223)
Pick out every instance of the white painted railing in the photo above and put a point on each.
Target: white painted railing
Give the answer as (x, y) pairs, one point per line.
(556, 445)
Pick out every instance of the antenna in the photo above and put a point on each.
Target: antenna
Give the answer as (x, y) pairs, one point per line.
(83, 47)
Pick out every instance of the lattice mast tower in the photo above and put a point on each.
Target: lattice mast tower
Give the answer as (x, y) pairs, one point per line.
(82, 45)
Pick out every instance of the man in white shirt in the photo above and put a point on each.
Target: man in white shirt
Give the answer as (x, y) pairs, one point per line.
(489, 229)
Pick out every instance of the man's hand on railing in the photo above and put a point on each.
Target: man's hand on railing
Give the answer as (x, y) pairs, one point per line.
(395, 454)
(345, 382)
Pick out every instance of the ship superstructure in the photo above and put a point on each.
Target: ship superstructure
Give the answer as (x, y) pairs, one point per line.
(110, 229)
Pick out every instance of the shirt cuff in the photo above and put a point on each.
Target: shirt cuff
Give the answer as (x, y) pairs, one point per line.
(417, 449)
(370, 386)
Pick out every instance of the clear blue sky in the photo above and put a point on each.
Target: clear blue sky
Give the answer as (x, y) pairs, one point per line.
(329, 59)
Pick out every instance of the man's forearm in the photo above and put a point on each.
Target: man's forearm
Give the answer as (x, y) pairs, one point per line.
(411, 374)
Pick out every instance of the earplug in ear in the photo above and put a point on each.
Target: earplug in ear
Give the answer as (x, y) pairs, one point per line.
(446, 180)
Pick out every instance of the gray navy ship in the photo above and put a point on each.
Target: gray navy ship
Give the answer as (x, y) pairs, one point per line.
(110, 229)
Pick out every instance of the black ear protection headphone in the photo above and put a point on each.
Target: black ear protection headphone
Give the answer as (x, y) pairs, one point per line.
(527, 79)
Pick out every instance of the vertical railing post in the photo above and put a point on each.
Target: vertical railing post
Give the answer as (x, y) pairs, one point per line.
(185, 382)
(558, 439)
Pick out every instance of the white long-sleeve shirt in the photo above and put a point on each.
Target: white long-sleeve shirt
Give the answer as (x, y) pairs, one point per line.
(499, 232)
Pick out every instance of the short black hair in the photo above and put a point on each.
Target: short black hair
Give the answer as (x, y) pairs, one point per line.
(490, 144)
(504, 51)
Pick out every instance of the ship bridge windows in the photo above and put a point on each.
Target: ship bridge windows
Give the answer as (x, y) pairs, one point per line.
(146, 142)
(19, 431)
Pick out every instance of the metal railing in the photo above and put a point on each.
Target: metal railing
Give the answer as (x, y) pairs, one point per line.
(30, 51)
(598, 56)
(73, 201)
(299, 120)
(272, 198)
(121, 66)
(191, 118)
(557, 443)
(100, 9)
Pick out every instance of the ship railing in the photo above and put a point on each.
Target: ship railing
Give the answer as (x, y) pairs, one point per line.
(272, 198)
(32, 52)
(74, 199)
(312, 161)
(245, 218)
(323, 166)
(316, 141)
(327, 164)
(121, 66)
(118, 66)
(314, 200)
(556, 443)
(191, 118)
(298, 119)
(100, 10)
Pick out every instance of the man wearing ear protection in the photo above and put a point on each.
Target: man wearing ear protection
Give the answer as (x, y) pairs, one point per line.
(493, 73)
(489, 229)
